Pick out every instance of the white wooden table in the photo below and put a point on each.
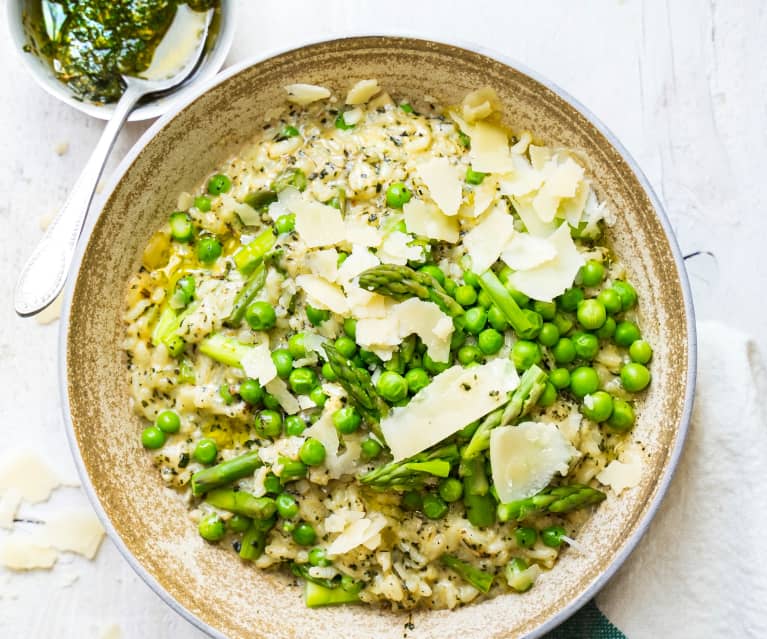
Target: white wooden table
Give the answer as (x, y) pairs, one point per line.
(683, 84)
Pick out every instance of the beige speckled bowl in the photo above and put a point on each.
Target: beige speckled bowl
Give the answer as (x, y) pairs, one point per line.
(209, 585)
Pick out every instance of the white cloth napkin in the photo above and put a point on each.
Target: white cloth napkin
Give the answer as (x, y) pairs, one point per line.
(701, 569)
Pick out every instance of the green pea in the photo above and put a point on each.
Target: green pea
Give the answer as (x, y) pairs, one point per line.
(484, 299)
(563, 323)
(640, 351)
(560, 378)
(435, 271)
(471, 279)
(524, 354)
(346, 346)
(397, 195)
(304, 534)
(239, 523)
(316, 316)
(635, 377)
(435, 368)
(406, 107)
(285, 223)
(226, 394)
(475, 319)
(317, 395)
(525, 536)
(289, 131)
(564, 351)
(176, 346)
(168, 421)
(319, 557)
(211, 527)
(185, 289)
(623, 416)
(392, 387)
(370, 448)
(181, 227)
(208, 249)
(591, 314)
(347, 420)
(607, 329)
(497, 319)
(202, 203)
(434, 507)
(417, 379)
(272, 484)
(350, 328)
(328, 373)
(450, 286)
(287, 506)
(205, 451)
(302, 380)
(584, 381)
(611, 300)
(490, 341)
(412, 500)
(551, 536)
(549, 334)
(283, 362)
(547, 310)
(469, 354)
(260, 316)
(312, 452)
(592, 273)
(450, 489)
(152, 437)
(626, 333)
(598, 406)
(586, 345)
(251, 391)
(219, 184)
(271, 402)
(549, 395)
(474, 177)
(269, 423)
(296, 346)
(466, 295)
(627, 293)
(570, 299)
(294, 425)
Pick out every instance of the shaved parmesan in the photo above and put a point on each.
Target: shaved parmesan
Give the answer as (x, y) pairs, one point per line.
(454, 398)
(524, 208)
(479, 104)
(444, 181)
(306, 93)
(318, 224)
(362, 91)
(539, 156)
(247, 214)
(562, 181)
(485, 241)
(77, 531)
(623, 474)
(521, 145)
(546, 281)
(364, 303)
(489, 150)
(353, 116)
(521, 180)
(257, 363)
(279, 389)
(484, 194)
(324, 431)
(359, 232)
(527, 251)
(360, 259)
(29, 475)
(572, 208)
(423, 218)
(374, 333)
(23, 553)
(396, 249)
(526, 457)
(323, 263)
(361, 532)
(322, 294)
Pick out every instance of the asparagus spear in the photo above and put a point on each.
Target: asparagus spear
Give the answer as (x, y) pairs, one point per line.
(479, 503)
(251, 255)
(356, 382)
(481, 580)
(561, 499)
(253, 285)
(225, 472)
(402, 282)
(254, 539)
(224, 349)
(530, 388)
(325, 592)
(260, 200)
(504, 301)
(410, 473)
(290, 177)
(243, 503)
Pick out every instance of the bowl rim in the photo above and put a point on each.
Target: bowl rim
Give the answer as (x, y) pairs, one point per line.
(674, 454)
(154, 109)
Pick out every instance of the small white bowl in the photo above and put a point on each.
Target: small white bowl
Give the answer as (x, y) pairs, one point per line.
(43, 73)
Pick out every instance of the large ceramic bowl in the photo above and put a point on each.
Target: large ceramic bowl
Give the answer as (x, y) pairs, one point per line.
(210, 585)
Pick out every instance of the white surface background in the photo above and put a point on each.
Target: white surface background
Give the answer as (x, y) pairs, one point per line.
(683, 84)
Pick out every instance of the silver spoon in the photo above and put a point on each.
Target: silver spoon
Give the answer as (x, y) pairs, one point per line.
(46, 271)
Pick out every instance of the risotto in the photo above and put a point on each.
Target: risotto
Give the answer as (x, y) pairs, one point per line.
(387, 349)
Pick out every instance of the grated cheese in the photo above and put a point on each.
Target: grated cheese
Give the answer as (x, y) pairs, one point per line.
(306, 93)
(444, 181)
(423, 218)
(485, 241)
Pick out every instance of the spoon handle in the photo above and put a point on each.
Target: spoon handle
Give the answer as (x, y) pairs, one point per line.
(45, 272)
